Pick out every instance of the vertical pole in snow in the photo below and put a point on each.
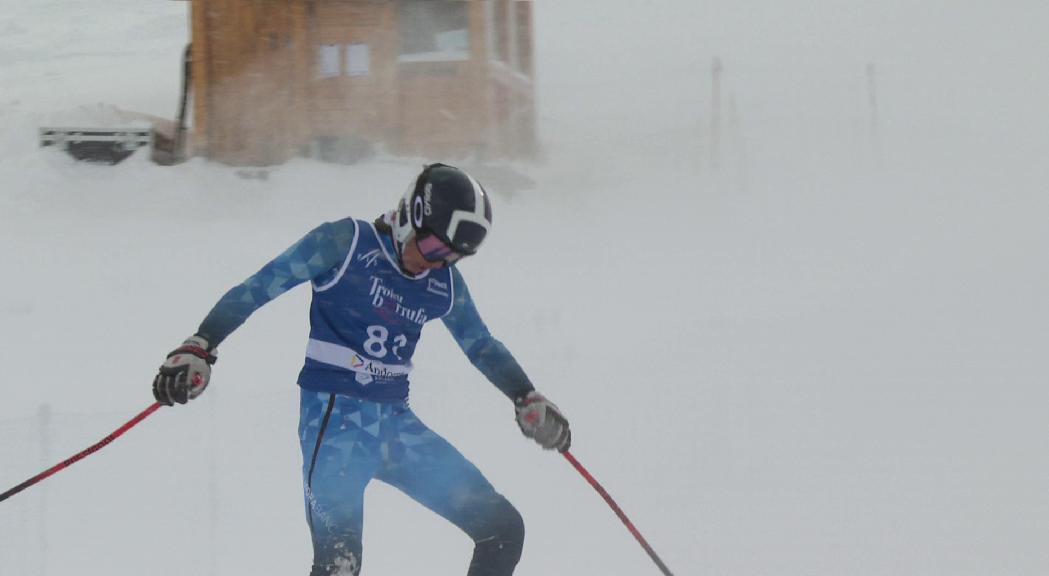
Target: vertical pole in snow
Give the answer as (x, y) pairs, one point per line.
(715, 115)
(738, 144)
(872, 100)
(44, 417)
(213, 515)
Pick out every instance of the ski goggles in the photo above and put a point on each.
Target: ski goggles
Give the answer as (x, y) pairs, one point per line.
(433, 249)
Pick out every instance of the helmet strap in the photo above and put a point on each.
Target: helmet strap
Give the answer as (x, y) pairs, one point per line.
(385, 225)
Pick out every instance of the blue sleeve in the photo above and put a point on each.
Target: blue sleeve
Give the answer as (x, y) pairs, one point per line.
(316, 254)
(484, 351)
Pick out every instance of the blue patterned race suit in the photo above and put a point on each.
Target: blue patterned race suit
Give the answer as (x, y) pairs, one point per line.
(355, 424)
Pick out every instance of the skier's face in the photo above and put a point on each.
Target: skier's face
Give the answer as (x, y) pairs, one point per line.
(413, 261)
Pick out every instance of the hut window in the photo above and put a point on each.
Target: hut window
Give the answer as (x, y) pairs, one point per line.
(328, 61)
(358, 60)
(434, 30)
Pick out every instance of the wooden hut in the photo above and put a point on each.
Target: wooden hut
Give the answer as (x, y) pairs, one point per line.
(272, 79)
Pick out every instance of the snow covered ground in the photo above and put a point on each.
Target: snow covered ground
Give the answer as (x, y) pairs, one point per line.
(813, 361)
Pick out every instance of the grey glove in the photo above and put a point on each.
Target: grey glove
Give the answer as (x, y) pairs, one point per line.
(541, 421)
(185, 373)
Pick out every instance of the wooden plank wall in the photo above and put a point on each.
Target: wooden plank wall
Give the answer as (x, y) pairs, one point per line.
(249, 101)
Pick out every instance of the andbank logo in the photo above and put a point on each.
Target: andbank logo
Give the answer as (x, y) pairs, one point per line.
(358, 364)
(357, 361)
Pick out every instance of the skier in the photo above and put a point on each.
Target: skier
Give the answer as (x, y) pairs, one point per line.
(374, 286)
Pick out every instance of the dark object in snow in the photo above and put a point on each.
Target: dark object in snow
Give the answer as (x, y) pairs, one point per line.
(169, 145)
(261, 175)
(101, 145)
(341, 149)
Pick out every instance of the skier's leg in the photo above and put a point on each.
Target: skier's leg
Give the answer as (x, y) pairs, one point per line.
(432, 472)
(340, 452)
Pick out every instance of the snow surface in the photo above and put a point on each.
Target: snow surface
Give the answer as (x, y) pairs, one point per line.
(814, 360)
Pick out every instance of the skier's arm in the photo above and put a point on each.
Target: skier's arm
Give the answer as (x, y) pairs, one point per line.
(315, 254)
(537, 417)
(186, 371)
(484, 351)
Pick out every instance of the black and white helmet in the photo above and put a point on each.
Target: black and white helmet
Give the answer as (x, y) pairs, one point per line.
(448, 203)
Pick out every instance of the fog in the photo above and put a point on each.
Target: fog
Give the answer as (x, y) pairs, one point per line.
(815, 346)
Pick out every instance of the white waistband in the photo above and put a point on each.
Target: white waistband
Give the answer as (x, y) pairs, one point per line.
(348, 358)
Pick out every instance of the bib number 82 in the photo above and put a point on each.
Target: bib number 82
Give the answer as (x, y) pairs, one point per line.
(377, 338)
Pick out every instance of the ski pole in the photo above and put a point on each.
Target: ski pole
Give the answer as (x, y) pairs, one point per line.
(619, 512)
(81, 455)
